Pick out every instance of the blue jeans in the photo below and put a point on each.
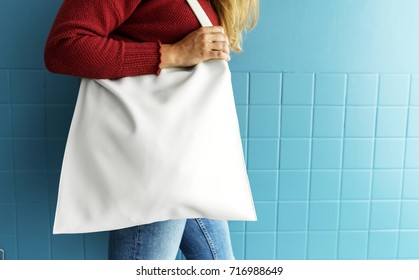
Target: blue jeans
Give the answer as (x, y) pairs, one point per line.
(198, 239)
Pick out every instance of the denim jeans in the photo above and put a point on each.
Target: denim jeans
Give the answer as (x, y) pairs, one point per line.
(198, 239)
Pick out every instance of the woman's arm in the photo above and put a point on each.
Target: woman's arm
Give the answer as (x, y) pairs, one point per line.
(79, 44)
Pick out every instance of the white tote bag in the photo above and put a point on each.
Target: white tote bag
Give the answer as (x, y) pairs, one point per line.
(151, 148)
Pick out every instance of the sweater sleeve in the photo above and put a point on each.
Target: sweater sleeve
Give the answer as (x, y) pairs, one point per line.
(78, 43)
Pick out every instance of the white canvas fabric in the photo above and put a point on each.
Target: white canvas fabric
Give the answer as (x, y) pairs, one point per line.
(150, 148)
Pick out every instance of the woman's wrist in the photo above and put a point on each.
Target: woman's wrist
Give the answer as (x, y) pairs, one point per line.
(167, 57)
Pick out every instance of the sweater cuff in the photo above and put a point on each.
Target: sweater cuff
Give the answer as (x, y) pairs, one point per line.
(141, 59)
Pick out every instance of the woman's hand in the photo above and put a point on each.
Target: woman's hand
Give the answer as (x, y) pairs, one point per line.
(203, 44)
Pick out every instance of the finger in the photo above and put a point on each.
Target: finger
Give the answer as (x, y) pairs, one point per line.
(218, 55)
(212, 29)
(220, 46)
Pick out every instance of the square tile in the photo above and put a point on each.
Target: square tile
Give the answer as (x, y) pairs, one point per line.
(409, 245)
(55, 153)
(264, 184)
(298, 89)
(385, 215)
(389, 153)
(237, 242)
(4, 86)
(382, 245)
(27, 86)
(240, 83)
(67, 247)
(260, 246)
(353, 245)
(5, 121)
(58, 120)
(323, 216)
(29, 121)
(32, 187)
(410, 184)
(292, 216)
(53, 182)
(358, 153)
(33, 218)
(413, 127)
(7, 219)
(362, 89)
(291, 246)
(34, 247)
(325, 185)
(264, 121)
(6, 152)
(266, 217)
(328, 121)
(356, 184)
(61, 89)
(294, 185)
(243, 116)
(360, 121)
(95, 246)
(394, 89)
(7, 187)
(30, 154)
(414, 90)
(330, 89)
(295, 154)
(265, 88)
(9, 245)
(322, 245)
(412, 153)
(354, 215)
(387, 184)
(296, 121)
(263, 154)
(237, 226)
(392, 121)
(409, 217)
(327, 154)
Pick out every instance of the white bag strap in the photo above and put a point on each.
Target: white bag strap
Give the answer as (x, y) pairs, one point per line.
(199, 12)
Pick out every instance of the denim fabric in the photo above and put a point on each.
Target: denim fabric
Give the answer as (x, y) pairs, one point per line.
(198, 239)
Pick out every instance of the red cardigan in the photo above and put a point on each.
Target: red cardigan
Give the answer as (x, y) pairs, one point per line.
(106, 39)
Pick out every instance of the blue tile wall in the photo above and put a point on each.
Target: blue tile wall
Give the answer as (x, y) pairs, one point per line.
(376, 242)
(329, 127)
(409, 245)
(354, 215)
(4, 87)
(414, 90)
(353, 245)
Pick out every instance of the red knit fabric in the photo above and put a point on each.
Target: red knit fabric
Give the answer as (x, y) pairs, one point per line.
(106, 39)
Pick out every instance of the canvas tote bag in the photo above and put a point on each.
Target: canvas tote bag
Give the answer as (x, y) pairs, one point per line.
(150, 148)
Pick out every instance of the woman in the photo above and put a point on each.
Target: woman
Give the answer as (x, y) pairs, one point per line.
(108, 39)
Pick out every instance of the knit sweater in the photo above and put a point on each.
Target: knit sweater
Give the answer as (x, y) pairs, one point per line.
(106, 39)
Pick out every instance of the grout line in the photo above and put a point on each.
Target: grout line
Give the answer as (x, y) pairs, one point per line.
(9, 76)
(13, 161)
(310, 162)
(373, 165)
(341, 164)
(404, 168)
(46, 155)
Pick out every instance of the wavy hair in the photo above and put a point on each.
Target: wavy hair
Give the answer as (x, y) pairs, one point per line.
(236, 17)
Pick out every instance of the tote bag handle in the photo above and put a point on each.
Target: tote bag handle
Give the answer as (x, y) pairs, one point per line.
(199, 12)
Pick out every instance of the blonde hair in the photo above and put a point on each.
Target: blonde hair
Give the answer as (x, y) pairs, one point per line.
(235, 17)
